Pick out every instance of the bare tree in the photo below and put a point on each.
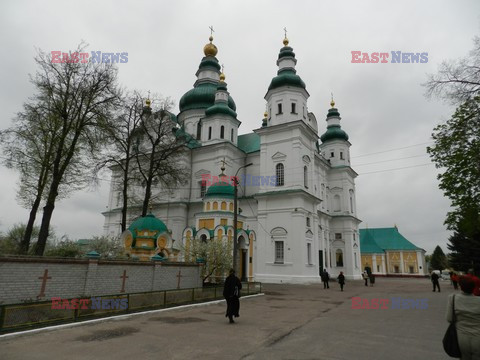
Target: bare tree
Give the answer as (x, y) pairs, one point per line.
(122, 132)
(28, 149)
(160, 146)
(457, 80)
(79, 97)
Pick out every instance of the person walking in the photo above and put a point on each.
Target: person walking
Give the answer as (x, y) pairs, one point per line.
(476, 281)
(434, 278)
(341, 280)
(325, 278)
(455, 281)
(467, 313)
(231, 293)
(372, 279)
(365, 277)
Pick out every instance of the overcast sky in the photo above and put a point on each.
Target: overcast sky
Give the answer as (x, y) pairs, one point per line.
(382, 106)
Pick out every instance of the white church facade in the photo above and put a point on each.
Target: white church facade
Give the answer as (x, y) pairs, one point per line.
(297, 188)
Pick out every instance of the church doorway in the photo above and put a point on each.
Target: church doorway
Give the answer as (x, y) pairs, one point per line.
(242, 255)
(244, 265)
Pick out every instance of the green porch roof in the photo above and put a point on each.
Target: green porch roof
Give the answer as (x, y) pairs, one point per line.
(249, 143)
(368, 244)
(385, 239)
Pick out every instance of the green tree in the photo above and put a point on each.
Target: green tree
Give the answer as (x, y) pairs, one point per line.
(217, 256)
(107, 246)
(464, 244)
(438, 260)
(11, 241)
(428, 258)
(456, 153)
(64, 248)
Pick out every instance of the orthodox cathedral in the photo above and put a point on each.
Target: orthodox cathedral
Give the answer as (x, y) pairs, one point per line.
(290, 228)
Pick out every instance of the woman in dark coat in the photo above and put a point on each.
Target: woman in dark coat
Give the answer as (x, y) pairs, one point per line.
(341, 280)
(231, 293)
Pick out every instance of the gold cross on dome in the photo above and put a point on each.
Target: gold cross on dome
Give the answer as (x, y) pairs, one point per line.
(223, 164)
(285, 29)
(211, 30)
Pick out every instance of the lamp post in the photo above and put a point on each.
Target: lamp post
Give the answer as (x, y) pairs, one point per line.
(235, 217)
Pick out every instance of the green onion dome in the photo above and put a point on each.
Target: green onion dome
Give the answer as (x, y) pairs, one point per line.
(221, 189)
(334, 133)
(201, 97)
(286, 51)
(286, 77)
(220, 108)
(148, 222)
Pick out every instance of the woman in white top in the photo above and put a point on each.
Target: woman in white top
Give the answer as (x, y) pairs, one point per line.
(467, 312)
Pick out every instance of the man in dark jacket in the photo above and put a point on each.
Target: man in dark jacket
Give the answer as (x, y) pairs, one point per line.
(231, 293)
(325, 277)
(435, 283)
(341, 280)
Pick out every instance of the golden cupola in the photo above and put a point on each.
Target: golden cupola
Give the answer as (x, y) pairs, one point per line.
(210, 49)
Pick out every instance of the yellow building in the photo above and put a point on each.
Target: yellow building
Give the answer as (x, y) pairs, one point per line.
(387, 252)
(215, 223)
(148, 236)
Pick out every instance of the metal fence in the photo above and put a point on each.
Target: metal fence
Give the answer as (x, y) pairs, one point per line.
(23, 316)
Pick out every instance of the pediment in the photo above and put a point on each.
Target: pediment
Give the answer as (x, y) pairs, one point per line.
(306, 159)
(201, 172)
(278, 231)
(278, 156)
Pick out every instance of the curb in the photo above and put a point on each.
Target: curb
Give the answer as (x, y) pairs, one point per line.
(114, 318)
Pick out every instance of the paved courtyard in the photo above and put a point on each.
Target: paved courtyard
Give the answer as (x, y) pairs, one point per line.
(288, 322)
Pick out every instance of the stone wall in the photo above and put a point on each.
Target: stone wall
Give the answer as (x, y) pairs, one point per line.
(32, 279)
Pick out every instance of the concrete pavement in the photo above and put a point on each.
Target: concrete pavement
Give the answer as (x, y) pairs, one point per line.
(288, 322)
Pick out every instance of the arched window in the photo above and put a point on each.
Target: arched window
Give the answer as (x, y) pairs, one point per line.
(208, 206)
(222, 132)
(209, 132)
(339, 257)
(199, 130)
(280, 172)
(224, 205)
(215, 205)
(305, 176)
(230, 206)
(231, 135)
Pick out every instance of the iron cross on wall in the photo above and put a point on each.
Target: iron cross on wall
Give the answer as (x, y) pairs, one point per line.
(179, 275)
(123, 277)
(44, 279)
